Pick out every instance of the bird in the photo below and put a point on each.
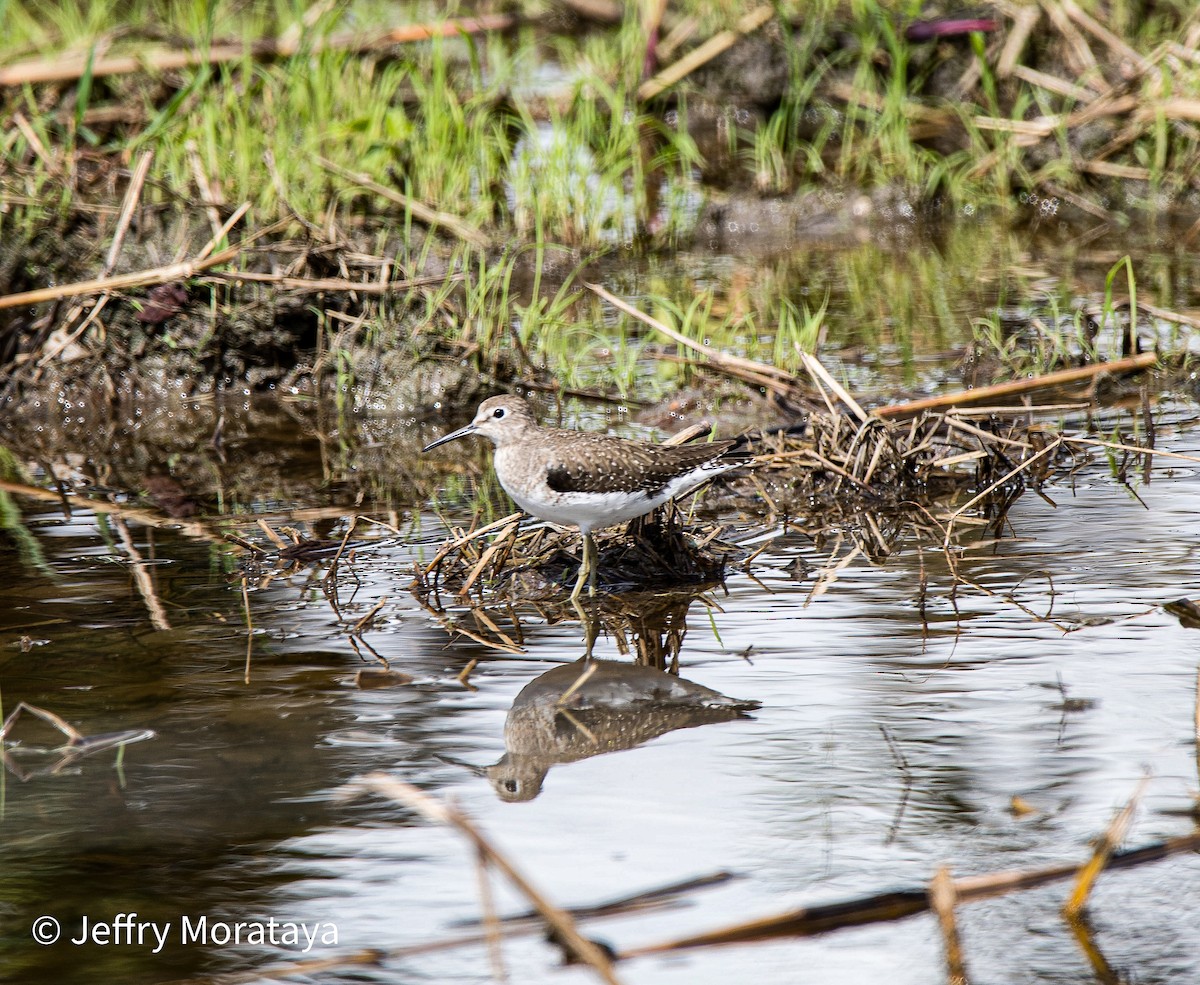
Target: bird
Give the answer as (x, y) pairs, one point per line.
(590, 707)
(586, 479)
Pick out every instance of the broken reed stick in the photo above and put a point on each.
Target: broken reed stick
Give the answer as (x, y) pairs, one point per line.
(64, 69)
(133, 195)
(1136, 449)
(900, 904)
(714, 46)
(1058, 378)
(1024, 19)
(436, 810)
(522, 924)
(431, 217)
(821, 375)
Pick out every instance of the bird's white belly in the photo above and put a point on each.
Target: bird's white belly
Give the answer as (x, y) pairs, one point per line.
(588, 511)
(522, 475)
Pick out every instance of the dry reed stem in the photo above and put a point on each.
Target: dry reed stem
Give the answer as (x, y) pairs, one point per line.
(358, 628)
(1079, 55)
(710, 49)
(433, 809)
(1024, 20)
(203, 185)
(1136, 449)
(189, 528)
(491, 925)
(1012, 473)
(458, 542)
(1052, 83)
(64, 69)
(133, 195)
(1192, 321)
(249, 628)
(141, 278)
(1105, 847)
(1015, 410)
(1057, 378)
(1104, 35)
(958, 425)
(504, 537)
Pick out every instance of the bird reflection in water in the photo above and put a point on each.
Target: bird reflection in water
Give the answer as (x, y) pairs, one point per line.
(589, 707)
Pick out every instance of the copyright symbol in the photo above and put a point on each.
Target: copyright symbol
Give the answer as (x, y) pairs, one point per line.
(46, 930)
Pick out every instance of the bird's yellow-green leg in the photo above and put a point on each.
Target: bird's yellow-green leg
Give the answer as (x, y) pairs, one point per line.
(586, 566)
(594, 566)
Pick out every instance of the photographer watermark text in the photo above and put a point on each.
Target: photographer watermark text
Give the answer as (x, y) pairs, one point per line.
(127, 930)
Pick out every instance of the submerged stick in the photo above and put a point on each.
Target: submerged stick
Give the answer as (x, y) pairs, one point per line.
(942, 897)
(141, 578)
(897, 905)
(1141, 361)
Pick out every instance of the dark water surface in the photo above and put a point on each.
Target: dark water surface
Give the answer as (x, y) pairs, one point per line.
(229, 814)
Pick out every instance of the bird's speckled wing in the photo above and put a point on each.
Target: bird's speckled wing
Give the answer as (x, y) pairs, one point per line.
(602, 463)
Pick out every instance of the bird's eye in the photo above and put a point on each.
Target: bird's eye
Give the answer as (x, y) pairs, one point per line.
(498, 413)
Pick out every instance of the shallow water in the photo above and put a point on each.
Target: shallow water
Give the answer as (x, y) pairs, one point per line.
(891, 739)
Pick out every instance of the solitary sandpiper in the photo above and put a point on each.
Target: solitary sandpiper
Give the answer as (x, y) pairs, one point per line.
(587, 479)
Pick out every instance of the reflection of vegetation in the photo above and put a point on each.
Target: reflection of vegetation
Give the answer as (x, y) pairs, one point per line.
(29, 551)
(1058, 331)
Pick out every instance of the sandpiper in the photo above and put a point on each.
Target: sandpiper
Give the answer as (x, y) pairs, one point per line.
(586, 479)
